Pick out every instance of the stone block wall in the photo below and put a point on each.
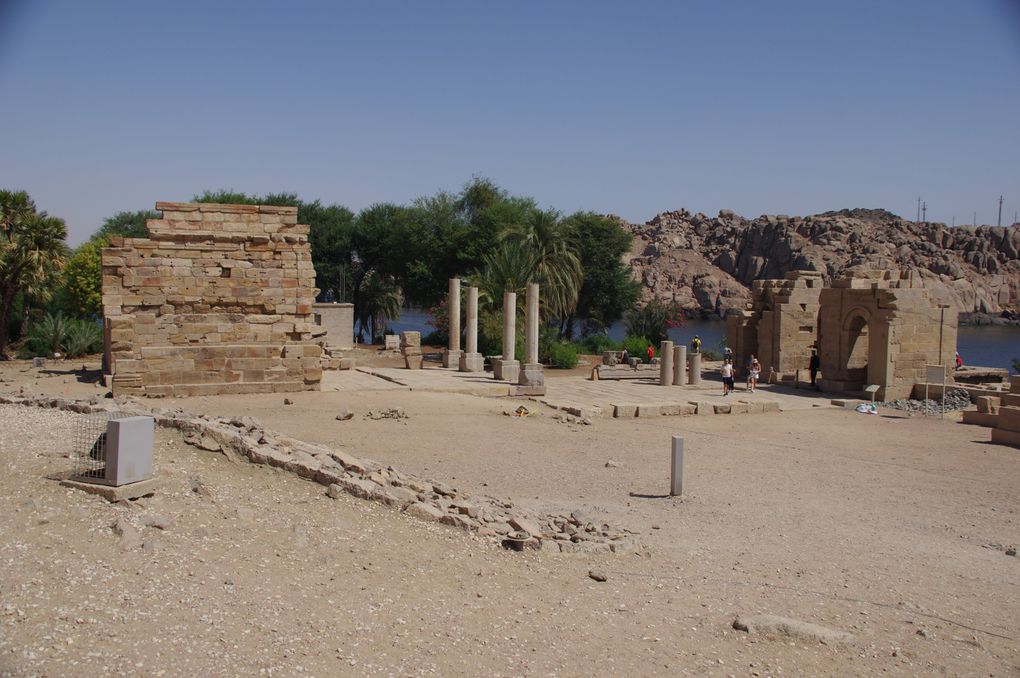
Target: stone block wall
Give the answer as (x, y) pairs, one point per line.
(780, 327)
(218, 299)
(338, 321)
(907, 329)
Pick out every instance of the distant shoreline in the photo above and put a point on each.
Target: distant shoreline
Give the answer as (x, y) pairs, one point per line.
(1006, 319)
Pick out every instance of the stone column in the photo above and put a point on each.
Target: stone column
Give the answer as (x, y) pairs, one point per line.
(531, 375)
(666, 363)
(452, 356)
(506, 368)
(695, 368)
(679, 365)
(471, 360)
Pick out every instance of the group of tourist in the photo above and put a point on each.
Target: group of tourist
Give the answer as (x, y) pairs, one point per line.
(728, 372)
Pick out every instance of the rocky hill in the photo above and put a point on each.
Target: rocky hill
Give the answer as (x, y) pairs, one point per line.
(709, 263)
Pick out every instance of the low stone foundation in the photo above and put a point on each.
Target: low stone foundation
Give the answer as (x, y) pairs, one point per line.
(244, 438)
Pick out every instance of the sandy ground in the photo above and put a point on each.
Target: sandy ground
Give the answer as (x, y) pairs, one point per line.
(893, 529)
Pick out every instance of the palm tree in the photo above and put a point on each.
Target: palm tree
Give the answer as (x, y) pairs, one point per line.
(507, 268)
(558, 268)
(378, 301)
(33, 246)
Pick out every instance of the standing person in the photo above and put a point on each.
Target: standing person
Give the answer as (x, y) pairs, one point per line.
(727, 353)
(959, 361)
(651, 352)
(696, 344)
(727, 376)
(754, 371)
(813, 366)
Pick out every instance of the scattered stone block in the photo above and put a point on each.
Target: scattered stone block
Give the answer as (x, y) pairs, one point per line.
(702, 407)
(792, 628)
(143, 488)
(625, 411)
(649, 411)
(392, 342)
(722, 408)
(424, 511)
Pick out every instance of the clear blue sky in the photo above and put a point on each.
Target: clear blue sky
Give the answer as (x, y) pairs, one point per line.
(631, 108)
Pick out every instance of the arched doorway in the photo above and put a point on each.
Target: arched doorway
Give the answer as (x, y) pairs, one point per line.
(856, 332)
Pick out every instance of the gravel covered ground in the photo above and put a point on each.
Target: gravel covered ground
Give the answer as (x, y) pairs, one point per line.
(894, 530)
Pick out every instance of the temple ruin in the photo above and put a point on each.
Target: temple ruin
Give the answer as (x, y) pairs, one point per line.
(877, 328)
(218, 299)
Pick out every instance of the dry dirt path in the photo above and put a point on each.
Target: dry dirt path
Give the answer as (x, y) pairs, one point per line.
(892, 529)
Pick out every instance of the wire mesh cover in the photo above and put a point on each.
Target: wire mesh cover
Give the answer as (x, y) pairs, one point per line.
(89, 452)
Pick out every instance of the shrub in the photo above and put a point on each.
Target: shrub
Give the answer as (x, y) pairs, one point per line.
(653, 320)
(82, 337)
(711, 355)
(434, 338)
(596, 344)
(563, 355)
(439, 319)
(637, 347)
(45, 336)
(56, 333)
(1016, 365)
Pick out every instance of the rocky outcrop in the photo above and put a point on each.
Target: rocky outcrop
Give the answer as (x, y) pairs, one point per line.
(708, 263)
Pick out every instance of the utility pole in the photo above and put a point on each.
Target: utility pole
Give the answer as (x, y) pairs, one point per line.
(975, 220)
(924, 212)
(1000, 211)
(954, 221)
(918, 220)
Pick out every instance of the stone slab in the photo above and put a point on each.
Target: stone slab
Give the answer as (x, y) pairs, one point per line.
(471, 362)
(703, 407)
(1003, 437)
(142, 488)
(625, 411)
(531, 375)
(980, 419)
(506, 370)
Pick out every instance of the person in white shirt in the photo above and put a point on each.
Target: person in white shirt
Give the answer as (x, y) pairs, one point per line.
(727, 377)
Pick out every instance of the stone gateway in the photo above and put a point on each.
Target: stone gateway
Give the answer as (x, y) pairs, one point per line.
(870, 328)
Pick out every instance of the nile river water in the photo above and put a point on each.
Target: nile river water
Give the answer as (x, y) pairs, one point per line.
(982, 345)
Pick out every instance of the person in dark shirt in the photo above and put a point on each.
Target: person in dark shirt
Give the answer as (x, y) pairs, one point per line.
(813, 366)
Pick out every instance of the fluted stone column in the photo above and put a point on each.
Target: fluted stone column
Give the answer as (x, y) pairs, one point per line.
(452, 356)
(531, 372)
(695, 368)
(679, 365)
(471, 360)
(506, 368)
(666, 363)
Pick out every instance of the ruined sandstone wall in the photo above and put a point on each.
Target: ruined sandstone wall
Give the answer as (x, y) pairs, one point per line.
(217, 300)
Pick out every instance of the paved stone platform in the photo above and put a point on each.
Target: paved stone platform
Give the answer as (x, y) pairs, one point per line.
(581, 396)
(437, 379)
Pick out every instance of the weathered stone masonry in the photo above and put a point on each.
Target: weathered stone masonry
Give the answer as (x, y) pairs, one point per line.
(218, 299)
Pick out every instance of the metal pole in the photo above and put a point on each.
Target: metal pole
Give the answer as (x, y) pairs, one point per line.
(676, 468)
(1000, 211)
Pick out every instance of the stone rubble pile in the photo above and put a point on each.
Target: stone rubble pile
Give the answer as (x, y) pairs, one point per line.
(957, 399)
(244, 438)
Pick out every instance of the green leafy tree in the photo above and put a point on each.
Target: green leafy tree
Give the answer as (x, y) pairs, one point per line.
(127, 225)
(33, 247)
(83, 278)
(609, 289)
(331, 233)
